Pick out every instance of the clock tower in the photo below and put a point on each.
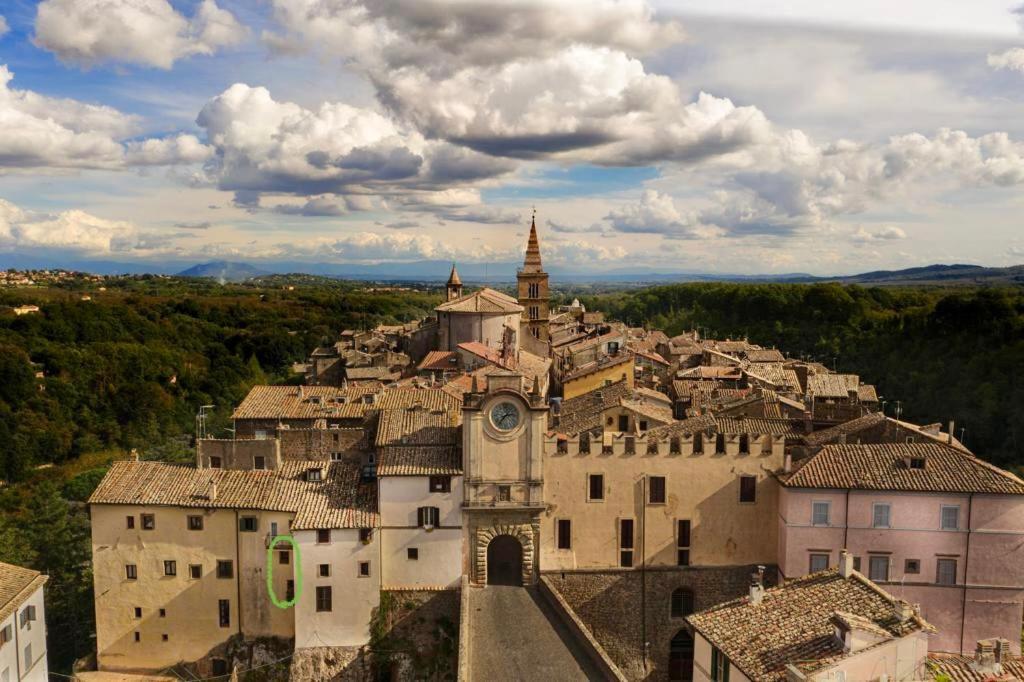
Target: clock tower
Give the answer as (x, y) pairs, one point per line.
(503, 430)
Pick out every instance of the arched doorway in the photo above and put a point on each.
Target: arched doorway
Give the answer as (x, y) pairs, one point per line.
(680, 657)
(504, 561)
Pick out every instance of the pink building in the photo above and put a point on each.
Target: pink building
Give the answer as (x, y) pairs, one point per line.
(933, 524)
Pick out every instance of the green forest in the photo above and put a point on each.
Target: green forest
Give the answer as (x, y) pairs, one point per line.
(86, 381)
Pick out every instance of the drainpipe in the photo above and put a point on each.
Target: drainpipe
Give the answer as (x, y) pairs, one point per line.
(967, 567)
(643, 571)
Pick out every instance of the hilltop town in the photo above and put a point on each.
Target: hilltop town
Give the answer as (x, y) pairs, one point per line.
(514, 490)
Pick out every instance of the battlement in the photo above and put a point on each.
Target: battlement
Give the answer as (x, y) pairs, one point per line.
(690, 444)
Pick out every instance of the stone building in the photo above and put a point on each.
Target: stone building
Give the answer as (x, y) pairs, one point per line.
(534, 295)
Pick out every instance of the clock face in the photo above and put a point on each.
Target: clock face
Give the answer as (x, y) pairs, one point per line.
(505, 416)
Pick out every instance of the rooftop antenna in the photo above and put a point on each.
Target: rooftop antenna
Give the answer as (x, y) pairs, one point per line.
(899, 409)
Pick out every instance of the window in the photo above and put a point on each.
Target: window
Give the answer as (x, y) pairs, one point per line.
(324, 570)
(819, 562)
(623, 422)
(364, 535)
(440, 484)
(364, 569)
(643, 425)
(6, 635)
(163, 613)
(289, 591)
(224, 612)
(912, 566)
(323, 536)
(698, 443)
(878, 568)
(682, 603)
(412, 553)
(945, 573)
(656, 492)
(273, 529)
(950, 517)
(131, 572)
(626, 543)
(880, 515)
(164, 637)
(744, 444)
(748, 488)
(195, 523)
(215, 462)
(719, 666)
(683, 542)
(129, 522)
(821, 513)
(595, 487)
(564, 534)
(428, 517)
(171, 568)
(225, 569)
(137, 611)
(259, 462)
(314, 475)
(916, 462)
(284, 557)
(720, 443)
(148, 522)
(195, 571)
(220, 667)
(323, 598)
(856, 563)
(138, 637)
(28, 656)
(247, 524)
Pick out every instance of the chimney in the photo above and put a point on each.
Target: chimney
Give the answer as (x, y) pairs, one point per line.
(211, 491)
(845, 563)
(300, 392)
(757, 586)
(787, 462)
(903, 610)
(134, 454)
(949, 436)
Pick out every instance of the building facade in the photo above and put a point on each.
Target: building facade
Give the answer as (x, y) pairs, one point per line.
(22, 625)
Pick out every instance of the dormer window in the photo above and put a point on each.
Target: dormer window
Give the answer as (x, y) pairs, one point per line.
(915, 462)
(315, 399)
(314, 475)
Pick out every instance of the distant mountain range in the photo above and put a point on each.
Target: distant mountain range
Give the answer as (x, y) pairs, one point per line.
(223, 271)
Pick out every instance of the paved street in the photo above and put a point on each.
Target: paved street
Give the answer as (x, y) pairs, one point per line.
(516, 636)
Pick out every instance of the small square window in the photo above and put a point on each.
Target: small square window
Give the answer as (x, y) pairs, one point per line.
(819, 562)
(412, 553)
(881, 515)
(131, 572)
(215, 462)
(163, 613)
(364, 569)
(138, 612)
(821, 513)
(878, 568)
(195, 523)
(912, 566)
(314, 475)
(129, 522)
(364, 535)
(170, 568)
(284, 557)
(323, 536)
(247, 524)
(195, 571)
(504, 493)
(950, 517)
(164, 637)
(148, 522)
(945, 573)
(324, 570)
(440, 484)
(259, 463)
(225, 569)
(748, 488)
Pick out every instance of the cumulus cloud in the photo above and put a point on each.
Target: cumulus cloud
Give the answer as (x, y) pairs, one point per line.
(315, 206)
(203, 225)
(564, 228)
(654, 213)
(577, 251)
(70, 230)
(888, 233)
(1011, 59)
(267, 146)
(484, 214)
(178, 149)
(4, 28)
(86, 33)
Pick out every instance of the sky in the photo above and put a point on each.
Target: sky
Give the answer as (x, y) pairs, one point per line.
(713, 136)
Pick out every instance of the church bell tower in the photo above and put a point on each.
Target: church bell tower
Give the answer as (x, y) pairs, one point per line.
(533, 288)
(454, 286)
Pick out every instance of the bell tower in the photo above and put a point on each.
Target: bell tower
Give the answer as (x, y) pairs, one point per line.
(454, 286)
(533, 287)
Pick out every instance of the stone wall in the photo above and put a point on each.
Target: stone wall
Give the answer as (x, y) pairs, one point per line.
(609, 604)
(415, 635)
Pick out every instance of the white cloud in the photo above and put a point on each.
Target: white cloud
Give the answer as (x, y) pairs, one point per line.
(69, 230)
(888, 233)
(179, 149)
(86, 33)
(579, 252)
(4, 28)
(1012, 59)
(655, 213)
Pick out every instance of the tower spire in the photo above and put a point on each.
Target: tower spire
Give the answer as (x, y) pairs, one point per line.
(454, 285)
(532, 262)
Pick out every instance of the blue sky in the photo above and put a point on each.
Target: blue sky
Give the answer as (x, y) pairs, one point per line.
(748, 137)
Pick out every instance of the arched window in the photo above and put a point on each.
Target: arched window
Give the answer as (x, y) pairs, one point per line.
(682, 603)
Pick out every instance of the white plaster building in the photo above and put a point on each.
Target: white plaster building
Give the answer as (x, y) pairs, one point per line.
(22, 625)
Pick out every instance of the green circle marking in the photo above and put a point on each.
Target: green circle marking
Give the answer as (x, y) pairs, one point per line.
(286, 603)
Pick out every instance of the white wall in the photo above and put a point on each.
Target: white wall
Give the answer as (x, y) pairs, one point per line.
(439, 563)
(400, 496)
(353, 597)
(12, 654)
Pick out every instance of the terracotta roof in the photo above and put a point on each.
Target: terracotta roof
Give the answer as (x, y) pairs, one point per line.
(646, 407)
(284, 402)
(419, 461)
(481, 350)
(583, 413)
(793, 624)
(652, 356)
(959, 668)
(764, 355)
(430, 398)
(866, 393)
(340, 500)
(440, 360)
(595, 341)
(884, 467)
(709, 372)
(757, 426)
(17, 584)
(417, 426)
(832, 385)
(835, 433)
(483, 301)
(705, 422)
